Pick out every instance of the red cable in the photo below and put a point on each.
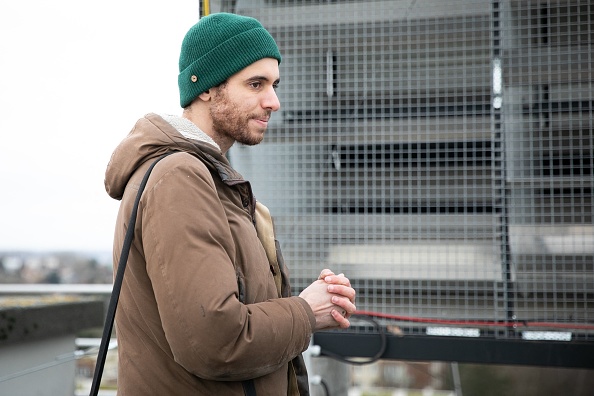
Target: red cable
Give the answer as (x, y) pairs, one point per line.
(517, 324)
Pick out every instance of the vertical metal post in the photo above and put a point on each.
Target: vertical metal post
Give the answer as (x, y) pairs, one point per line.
(456, 378)
(499, 160)
(203, 8)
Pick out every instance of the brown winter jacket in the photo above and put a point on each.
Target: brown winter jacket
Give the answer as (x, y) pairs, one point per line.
(199, 310)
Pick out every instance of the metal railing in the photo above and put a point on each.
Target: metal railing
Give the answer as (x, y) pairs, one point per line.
(43, 288)
(85, 346)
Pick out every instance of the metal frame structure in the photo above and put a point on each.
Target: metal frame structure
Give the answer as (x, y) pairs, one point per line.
(440, 153)
(458, 349)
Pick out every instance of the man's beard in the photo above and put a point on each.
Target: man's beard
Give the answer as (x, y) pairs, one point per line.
(228, 120)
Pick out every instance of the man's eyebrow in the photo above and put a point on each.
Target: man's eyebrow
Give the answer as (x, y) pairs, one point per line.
(263, 78)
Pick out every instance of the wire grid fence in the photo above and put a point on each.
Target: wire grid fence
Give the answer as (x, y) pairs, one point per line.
(439, 153)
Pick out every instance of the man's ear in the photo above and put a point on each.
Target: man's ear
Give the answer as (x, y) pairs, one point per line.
(205, 96)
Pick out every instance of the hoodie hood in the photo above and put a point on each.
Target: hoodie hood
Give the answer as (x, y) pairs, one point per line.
(151, 137)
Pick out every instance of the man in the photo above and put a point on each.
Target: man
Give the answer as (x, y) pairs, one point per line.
(205, 307)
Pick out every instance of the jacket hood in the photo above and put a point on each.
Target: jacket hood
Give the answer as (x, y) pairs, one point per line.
(152, 137)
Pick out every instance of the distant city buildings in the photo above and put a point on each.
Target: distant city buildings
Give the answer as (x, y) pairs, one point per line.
(55, 267)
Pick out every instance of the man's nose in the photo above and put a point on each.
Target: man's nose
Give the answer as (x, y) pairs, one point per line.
(270, 100)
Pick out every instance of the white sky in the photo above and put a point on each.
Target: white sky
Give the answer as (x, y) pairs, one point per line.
(75, 76)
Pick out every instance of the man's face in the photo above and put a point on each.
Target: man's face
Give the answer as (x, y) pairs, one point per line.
(241, 108)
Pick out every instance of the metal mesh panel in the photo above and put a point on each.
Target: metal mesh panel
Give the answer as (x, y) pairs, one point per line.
(547, 118)
(439, 153)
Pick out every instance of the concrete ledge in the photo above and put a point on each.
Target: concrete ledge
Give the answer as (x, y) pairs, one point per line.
(28, 318)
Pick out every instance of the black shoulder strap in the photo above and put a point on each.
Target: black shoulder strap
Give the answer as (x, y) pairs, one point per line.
(117, 284)
(249, 389)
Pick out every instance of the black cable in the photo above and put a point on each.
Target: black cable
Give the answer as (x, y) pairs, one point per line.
(374, 358)
(325, 386)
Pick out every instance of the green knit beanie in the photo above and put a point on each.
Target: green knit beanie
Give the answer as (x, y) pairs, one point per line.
(217, 47)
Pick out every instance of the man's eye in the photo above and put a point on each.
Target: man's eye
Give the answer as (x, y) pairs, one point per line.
(255, 84)
(275, 86)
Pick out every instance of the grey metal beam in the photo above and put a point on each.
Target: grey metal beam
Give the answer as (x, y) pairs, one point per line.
(458, 349)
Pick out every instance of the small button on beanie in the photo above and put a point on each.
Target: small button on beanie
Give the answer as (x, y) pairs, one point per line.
(217, 47)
